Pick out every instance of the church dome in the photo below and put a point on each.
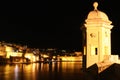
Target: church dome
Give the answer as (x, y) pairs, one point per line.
(96, 14)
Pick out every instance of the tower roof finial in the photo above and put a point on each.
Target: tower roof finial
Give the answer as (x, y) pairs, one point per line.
(95, 5)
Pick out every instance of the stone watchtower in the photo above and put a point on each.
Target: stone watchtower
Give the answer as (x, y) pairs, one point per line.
(96, 37)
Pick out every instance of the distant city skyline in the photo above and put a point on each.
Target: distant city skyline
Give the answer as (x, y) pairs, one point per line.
(56, 25)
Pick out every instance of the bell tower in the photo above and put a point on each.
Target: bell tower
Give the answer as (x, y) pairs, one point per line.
(96, 37)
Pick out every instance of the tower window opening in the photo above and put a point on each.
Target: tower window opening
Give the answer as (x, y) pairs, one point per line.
(96, 50)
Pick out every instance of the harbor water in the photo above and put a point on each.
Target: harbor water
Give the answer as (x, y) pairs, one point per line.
(41, 71)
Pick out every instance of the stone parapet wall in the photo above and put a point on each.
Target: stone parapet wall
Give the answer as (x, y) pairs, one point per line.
(111, 58)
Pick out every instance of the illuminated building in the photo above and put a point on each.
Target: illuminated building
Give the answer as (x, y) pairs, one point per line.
(2, 51)
(96, 38)
(11, 53)
(31, 57)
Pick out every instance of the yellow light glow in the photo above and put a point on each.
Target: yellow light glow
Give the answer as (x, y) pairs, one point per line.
(28, 56)
(45, 56)
(54, 57)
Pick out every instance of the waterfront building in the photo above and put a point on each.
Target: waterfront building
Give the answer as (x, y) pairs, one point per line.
(12, 53)
(31, 57)
(3, 53)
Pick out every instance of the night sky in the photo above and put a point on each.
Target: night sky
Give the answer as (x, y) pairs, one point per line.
(55, 24)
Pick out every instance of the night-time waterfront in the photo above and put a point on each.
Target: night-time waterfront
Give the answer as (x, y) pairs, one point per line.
(42, 71)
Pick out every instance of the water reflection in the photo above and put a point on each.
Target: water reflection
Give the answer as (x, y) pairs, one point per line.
(40, 71)
(16, 72)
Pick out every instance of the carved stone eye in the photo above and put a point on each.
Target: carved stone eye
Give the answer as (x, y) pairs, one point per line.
(92, 35)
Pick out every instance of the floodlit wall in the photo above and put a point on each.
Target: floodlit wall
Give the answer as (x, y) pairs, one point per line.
(8, 51)
(31, 57)
(2, 51)
(14, 54)
(91, 60)
(70, 58)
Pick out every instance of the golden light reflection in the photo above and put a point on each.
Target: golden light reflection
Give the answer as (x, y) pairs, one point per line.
(37, 70)
(16, 72)
(69, 67)
(33, 71)
(8, 69)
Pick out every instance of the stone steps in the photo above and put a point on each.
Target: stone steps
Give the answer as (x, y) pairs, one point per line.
(103, 65)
